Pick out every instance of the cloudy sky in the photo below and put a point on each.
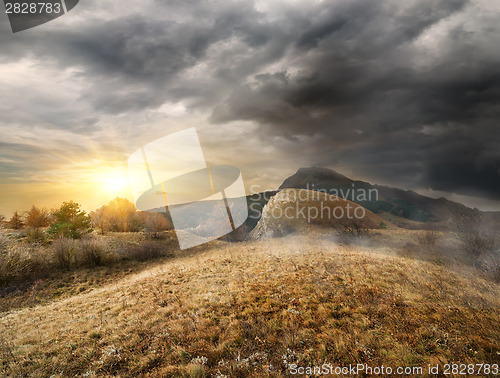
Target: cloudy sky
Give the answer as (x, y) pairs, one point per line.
(398, 92)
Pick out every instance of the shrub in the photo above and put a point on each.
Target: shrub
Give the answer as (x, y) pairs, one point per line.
(147, 250)
(477, 243)
(91, 253)
(475, 239)
(136, 223)
(64, 252)
(19, 263)
(351, 231)
(490, 263)
(155, 224)
(36, 236)
(428, 238)
(4, 242)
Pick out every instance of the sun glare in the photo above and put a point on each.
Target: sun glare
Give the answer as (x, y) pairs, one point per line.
(115, 182)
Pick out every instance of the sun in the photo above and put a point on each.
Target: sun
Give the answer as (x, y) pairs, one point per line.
(115, 182)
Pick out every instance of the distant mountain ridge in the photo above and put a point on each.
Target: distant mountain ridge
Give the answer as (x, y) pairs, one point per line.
(405, 208)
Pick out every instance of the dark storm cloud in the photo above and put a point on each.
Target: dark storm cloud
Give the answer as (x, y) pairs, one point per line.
(359, 60)
(362, 87)
(349, 82)
(136, 61)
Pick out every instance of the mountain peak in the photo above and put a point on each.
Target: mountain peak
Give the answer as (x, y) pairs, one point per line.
(316, 175)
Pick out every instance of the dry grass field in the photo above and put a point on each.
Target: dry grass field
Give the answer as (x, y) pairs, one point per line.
(252, 309)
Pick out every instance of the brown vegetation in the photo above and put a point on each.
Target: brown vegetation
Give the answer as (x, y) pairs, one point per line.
(250, 309)
(16, 222)
(121, 215)
(98, 306)
(22, 262)
(37, 217)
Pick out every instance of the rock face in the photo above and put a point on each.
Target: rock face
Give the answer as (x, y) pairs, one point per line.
(296, 210)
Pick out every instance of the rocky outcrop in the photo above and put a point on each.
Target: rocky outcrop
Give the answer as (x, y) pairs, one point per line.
(296, 210)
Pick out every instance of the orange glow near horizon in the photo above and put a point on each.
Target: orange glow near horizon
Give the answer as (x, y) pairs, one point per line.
(91, 188)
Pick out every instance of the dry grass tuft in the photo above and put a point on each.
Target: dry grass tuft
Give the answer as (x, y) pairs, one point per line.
(21, 262)
(147, 250)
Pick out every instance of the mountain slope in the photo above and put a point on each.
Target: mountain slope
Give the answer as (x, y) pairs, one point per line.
(405, 208)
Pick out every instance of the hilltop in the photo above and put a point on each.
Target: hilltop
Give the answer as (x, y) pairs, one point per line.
(295, 210)
(320, 177)
(253, 309)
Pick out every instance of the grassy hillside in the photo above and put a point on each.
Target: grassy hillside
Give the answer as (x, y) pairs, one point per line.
(293, 210)
(254, 308)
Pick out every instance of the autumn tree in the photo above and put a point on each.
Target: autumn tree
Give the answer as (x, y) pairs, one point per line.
(118, 215)
(37, 217)
(16, 221)
(122, 210)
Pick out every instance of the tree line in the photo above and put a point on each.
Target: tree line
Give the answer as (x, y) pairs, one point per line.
(69, 220)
